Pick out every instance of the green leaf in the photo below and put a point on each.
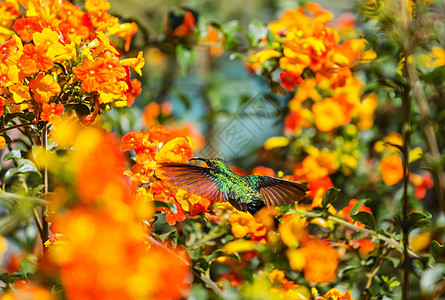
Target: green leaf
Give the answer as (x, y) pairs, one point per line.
(330, 196)
(430, 278)
(221, 253)
(25, 168)
(359, 204)
(365, 218)
(185, 58)
(14, 154)
(257, 31)
(418, 219)
(370, 88)
(436, 249)
(162, 204)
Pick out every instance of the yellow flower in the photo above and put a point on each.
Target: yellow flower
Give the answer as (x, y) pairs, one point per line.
(438, 54)
(241, 223)
(136, 63)
(296, 259)
(328, 114)
(264, 55)
(293, 230)
(20, 92)
(276, 142)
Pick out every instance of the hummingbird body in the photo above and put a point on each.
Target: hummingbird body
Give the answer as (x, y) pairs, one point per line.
(219, 183)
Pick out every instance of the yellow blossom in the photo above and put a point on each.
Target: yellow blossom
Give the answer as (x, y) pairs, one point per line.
(136, 63)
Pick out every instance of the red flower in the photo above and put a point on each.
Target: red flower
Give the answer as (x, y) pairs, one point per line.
(290, 80)
(51, 111)
(25, 27)
(422, 184)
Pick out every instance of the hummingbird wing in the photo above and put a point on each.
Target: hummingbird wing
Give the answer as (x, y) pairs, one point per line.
(205, 182)
(277, 191)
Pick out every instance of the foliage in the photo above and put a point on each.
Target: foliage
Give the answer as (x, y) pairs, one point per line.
(85, 212)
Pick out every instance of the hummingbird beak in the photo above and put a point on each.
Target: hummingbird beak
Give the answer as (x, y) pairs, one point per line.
(199, 158)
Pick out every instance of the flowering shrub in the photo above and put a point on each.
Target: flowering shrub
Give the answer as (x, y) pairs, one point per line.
(56, 57)
(87, 213)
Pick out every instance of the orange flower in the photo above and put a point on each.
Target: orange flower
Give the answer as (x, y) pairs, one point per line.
(263, 171)
(146, 153)
(290, 80)
(101, 256)
(34, 59)
(321, 262)
(92, 73)
(141, 173)
(132, 140)
(25, 27)
(347, 210)
(134, 89)
(109, 163)
(328, 114)
(164, 191)
(112, 67)
(74, 28)
(9, 11)
(392, 169)
(51, 112)
(365, 245)
(336, 294)
(173, 216)
(422, 184)
(44, 87)
(2, 142)
(151, 113)
(241, 223)
(309, 169)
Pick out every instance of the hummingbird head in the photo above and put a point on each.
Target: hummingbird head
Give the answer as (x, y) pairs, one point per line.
(215, 163)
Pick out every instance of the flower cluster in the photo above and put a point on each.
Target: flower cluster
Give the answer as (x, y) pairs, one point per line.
(98, 242)
(158, 145)
(311, 57)
(55, 56)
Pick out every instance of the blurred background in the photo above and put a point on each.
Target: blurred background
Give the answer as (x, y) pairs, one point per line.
(209, 89)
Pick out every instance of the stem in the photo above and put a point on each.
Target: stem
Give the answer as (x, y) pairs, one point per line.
(16, 126)
(430, 134)
(6, 195)
(408, 49)
(203, 277)
(45, 227)
(381, 237)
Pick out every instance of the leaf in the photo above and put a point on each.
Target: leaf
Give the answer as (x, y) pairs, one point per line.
(29, 117)
(359, 204)
(436, 249)
(25, 168)
(14, 154)
(257, 31)
(417, 219)
(430, 278)
(185, 58)
(370, 88)
(330, 196)
(221, 253)
(365, 218)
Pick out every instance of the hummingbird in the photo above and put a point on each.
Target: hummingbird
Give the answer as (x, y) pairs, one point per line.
(218, 183)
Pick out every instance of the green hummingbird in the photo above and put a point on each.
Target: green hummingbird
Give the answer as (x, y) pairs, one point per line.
(218, 183)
